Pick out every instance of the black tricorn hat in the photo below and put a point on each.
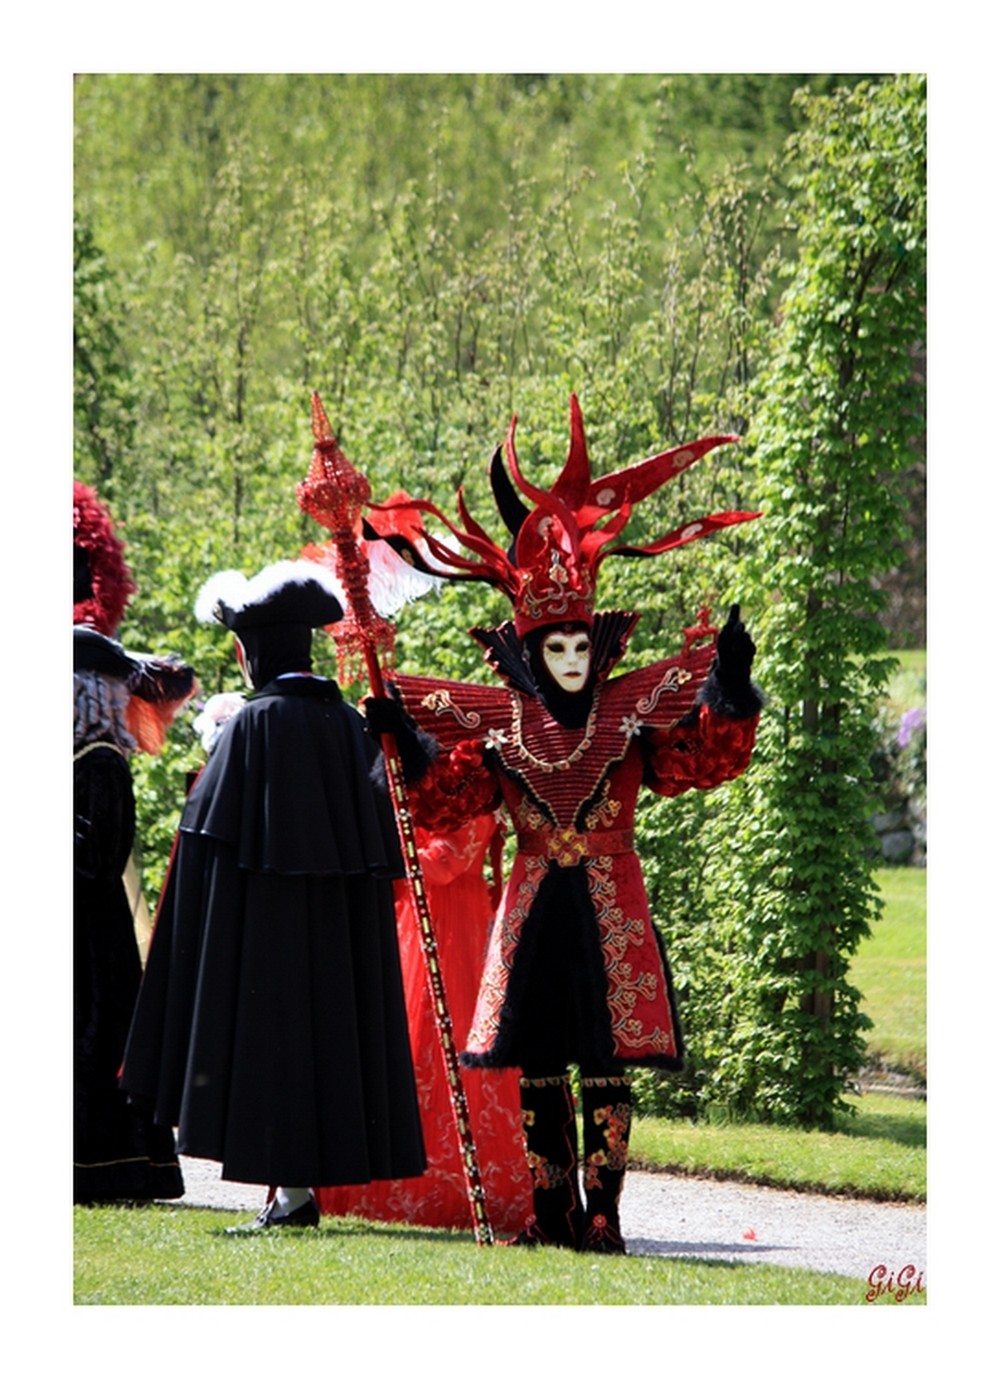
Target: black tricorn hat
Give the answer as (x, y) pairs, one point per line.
(96, 653)
(283, 594)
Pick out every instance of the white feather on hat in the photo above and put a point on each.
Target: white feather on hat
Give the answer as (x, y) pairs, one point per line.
(283, 592)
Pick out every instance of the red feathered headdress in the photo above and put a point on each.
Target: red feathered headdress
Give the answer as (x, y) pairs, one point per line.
(102, 582)
(549, 574)
(158, 686)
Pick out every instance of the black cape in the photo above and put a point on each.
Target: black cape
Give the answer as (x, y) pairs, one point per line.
(271, 1025)
(118, 1153)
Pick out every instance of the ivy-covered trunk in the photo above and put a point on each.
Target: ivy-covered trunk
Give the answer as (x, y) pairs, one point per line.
(837, 413)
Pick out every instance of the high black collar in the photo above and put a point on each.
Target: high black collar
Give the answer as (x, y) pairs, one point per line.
(505, 652)
(308, 686)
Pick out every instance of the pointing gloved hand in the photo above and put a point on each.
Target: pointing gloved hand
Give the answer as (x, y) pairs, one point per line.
(729, 688)
(734, 651)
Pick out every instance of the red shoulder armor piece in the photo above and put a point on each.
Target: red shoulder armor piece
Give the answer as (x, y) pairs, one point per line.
(561, 767)
(454, 712)
(660, 694)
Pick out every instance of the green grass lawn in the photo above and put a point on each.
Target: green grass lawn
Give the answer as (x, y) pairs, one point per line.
(908, 685)
(881, 1153)
(890, 969)
(167, 1255)
(164, 1254)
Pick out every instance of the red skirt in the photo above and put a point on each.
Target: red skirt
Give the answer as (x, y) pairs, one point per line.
(461, 909)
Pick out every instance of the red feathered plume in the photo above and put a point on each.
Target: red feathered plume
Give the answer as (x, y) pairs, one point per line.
(102, 580)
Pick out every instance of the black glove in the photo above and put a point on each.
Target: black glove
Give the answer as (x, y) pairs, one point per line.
(387, 715)
(728, 688)
(734, 652)
(417, 749)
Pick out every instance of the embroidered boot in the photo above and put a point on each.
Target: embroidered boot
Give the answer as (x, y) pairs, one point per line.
(549, 1121)
(607, 1119)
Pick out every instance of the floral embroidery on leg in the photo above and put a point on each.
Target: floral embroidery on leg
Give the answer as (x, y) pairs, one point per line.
(617, 1119)
(544, 1173)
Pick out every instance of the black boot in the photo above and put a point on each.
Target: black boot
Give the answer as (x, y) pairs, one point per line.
(607, 1120)
(549, 1121)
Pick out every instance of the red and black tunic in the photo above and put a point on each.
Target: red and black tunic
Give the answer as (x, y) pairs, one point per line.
(574, 969)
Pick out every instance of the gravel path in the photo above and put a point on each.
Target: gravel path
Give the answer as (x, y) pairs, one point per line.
(667, 1216)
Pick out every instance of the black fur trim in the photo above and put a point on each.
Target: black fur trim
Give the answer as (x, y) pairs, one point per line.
(418, 751)
(747, 703)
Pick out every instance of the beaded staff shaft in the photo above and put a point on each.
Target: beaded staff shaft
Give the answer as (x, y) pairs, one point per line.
(335, 494)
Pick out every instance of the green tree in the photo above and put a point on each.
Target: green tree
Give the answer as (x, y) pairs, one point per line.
(840, 409)
(433, 253)
(103, 392)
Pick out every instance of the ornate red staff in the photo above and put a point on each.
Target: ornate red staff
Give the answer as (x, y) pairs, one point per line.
(335, 493)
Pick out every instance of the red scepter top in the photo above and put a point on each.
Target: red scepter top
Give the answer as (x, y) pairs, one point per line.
(701, 630)
(335, 493)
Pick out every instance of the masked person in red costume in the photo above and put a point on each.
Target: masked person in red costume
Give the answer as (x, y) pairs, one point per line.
(575, 971)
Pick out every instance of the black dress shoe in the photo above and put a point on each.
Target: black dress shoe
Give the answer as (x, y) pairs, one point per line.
(305, 1216)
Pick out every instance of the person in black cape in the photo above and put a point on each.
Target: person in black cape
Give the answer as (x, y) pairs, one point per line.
(118, 1153)
(121, 701)
(270, 1027)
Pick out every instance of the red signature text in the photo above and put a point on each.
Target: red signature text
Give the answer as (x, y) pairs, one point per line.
(881, 1281)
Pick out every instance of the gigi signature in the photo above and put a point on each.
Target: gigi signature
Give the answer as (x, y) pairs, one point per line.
(908, 1282)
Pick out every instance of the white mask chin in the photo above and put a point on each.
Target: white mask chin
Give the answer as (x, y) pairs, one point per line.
(566, 656)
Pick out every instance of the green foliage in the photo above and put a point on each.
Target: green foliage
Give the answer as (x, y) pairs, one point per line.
(103, 396)
(899, 763)
(251, 265)
(436, 252)
(836, 417)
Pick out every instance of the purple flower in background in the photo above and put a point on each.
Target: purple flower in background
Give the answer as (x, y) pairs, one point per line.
(914, 720)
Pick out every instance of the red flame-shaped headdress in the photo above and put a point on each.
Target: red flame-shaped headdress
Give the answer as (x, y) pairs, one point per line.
(549, 573)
